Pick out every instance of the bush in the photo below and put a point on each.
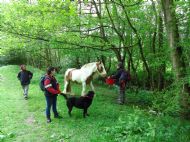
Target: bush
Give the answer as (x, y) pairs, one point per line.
(167, 101)
(140, 127)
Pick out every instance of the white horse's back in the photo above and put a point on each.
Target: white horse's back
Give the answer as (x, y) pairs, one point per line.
(73, 74)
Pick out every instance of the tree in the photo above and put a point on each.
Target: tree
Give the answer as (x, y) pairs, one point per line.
(177, 55)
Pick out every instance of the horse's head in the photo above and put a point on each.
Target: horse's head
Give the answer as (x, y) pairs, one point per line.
(100, 69)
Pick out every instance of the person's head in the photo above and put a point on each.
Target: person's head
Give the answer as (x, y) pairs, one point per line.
(51, 70)
(120, 65)
(23, 67)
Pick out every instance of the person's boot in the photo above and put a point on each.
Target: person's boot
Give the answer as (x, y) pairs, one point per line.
(48, 120)
(121, 103)
(57, 116)
(25, 97)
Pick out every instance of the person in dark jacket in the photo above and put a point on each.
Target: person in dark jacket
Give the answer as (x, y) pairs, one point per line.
(51, 91)
(25, 76)
(121, 76)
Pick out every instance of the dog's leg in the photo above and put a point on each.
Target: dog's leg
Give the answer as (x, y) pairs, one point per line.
(70, 107)
(84, 112)
(87, 112)
(69, 112)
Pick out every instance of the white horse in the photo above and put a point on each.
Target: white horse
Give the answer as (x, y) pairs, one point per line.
(84, 75)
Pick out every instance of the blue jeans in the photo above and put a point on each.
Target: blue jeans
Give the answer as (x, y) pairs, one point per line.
(51, 101)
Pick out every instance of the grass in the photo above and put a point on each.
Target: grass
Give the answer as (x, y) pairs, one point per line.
(24, 120)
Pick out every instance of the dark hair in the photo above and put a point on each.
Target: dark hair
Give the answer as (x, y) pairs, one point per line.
(50, 69)
(120, 65)
(22, 66)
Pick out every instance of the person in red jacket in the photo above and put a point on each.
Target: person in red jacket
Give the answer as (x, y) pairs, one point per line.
(51, 91)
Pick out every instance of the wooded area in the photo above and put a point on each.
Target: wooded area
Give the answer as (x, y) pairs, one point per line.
(150, 37)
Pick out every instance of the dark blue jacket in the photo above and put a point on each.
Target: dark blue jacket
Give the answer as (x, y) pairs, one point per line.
(25, 77)
(121, 75)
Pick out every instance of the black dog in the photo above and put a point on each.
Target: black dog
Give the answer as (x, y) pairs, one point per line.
(82, 102)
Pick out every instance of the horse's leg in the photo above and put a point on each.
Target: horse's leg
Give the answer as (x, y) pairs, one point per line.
(67, 87)
(83, 88)
(92, 86)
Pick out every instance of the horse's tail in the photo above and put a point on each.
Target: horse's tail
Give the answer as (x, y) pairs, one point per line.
(68, 88)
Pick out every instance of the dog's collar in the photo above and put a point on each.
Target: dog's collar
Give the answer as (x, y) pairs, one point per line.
(88, 97)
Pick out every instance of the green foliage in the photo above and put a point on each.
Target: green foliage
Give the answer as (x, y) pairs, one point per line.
(140, 127)
(141, 98)
(168, 101)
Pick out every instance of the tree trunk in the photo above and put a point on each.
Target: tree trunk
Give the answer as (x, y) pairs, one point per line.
(176, 54)
(153, 46)
(140, 44)
(108, 67)
(162, 68)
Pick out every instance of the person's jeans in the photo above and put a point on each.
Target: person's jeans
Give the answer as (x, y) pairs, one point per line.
(121, 95)
(25, 90)
(51, 101)
(121, 98)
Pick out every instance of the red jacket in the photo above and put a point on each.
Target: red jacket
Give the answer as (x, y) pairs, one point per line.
(51, 86)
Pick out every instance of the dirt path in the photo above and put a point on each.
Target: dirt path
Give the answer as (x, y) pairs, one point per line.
(16, 121)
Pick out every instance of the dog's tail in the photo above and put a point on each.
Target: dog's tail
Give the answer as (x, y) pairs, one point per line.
(64, 95)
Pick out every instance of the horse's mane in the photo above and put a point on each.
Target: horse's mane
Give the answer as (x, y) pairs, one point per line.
(87, 65)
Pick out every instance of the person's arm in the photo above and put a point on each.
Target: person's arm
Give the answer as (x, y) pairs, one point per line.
(58, 87)
(18, 76)
(116, 75)
(30, 74)
(48, 86)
